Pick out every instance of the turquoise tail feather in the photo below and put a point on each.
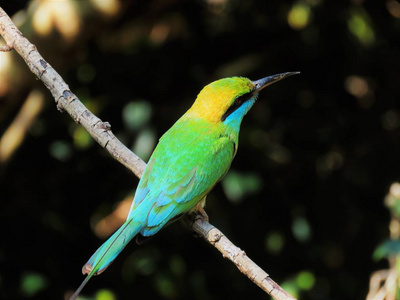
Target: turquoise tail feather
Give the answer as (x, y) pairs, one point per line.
(107, 252)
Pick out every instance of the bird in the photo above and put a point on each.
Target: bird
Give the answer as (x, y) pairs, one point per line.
(189, 160)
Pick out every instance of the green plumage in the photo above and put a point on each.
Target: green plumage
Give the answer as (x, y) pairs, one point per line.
(190, 158)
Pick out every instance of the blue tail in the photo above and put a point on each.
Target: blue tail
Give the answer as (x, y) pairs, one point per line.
(107, 252)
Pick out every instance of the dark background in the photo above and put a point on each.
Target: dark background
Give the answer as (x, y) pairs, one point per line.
(317, 155)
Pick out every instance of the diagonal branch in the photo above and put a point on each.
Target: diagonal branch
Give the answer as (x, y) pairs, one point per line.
(65, 99)
(237, 256)
(101, 132)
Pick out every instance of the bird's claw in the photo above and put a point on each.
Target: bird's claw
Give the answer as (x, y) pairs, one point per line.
(201, 213)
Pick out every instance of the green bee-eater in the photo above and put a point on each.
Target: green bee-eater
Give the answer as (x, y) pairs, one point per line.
(188, 161)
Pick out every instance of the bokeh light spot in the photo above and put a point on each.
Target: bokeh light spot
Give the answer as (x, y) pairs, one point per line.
(305, 280)
(82, 139)
(60, 150)
(145, 143)
(274, 242)
(236, 185)
(32, 283)
(356, 86)
(107, 7)
(359, 26)
(393, 7)
(105, 295)
(391, 120)
(136, 114)
(299, 16)
(301, 229)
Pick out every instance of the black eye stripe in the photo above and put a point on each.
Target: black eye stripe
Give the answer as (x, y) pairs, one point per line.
(236, 104)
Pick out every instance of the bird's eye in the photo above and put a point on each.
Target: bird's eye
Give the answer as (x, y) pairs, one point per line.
(235, 105)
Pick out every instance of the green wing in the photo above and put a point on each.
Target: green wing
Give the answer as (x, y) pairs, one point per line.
(188, 161)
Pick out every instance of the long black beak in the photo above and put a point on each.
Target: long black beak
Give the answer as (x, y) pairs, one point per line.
(266, 81)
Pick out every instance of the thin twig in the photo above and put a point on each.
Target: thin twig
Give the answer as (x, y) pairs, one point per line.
(101, 132)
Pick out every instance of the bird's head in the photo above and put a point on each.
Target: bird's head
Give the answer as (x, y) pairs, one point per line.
(227, 100)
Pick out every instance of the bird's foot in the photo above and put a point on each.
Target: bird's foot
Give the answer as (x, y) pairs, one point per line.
(197, 213)
(201, 213)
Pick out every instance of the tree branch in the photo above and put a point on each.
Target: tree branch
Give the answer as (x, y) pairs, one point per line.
(101, 132)
(245, 265)
(65, 99)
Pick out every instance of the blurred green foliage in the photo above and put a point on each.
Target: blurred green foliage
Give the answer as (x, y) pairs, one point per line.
(360, 26)
(32, 283)
(237, 186)
(389, 248)
(136, 114)
(316, 156)
(303, 281)
(301, 229)
(274, 242)
(105, 295)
